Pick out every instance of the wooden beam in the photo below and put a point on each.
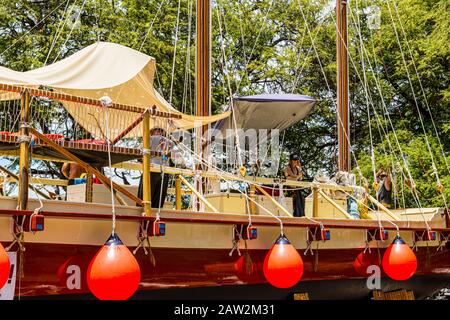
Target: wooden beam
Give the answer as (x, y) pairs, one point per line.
(84, 100)
(24, 151)
(315, 202)
(383, 208)
(214, 218)
(274, 201)
(343, 111)
(199, 196)
(145, 167)
(130, 127)
(334, 204)
(43, 181)
(187, 172)
(251, 194)
(89, 192)
(229, 176)
(178, 193)
(105, 180)
(15, 178)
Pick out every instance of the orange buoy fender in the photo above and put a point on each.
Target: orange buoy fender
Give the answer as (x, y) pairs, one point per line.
(249, 274)
(4, 266)
(399, 261)
(283, 265)
(363, 261)
(114, 272)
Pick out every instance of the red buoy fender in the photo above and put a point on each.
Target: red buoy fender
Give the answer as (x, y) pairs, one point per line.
(4, 266)
(399, 261)
(114, 272)
(363, 261)
(249, 274)
(283, 265)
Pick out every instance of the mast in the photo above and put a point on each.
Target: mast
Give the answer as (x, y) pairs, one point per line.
(203, 80)
(343, 111)
(203, 50)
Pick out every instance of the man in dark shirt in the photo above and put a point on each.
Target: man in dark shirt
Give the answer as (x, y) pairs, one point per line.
(384, 192)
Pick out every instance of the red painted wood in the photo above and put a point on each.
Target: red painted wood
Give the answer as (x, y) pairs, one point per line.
(214, 218)
(46, 267)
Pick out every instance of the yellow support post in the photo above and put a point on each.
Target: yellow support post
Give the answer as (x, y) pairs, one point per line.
(24, 151)
(315, 202)
(89, 187)
(146, 188)
(178, 193)
(251, 204)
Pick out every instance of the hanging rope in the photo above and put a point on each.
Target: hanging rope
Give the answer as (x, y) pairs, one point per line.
(106, 102)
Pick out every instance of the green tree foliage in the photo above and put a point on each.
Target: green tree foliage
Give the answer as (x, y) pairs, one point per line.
(278, 46)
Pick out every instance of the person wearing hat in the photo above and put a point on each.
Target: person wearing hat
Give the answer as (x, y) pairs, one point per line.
(293, 171)
(384, 192)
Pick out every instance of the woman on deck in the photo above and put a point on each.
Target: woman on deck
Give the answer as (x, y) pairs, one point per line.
(293, 171)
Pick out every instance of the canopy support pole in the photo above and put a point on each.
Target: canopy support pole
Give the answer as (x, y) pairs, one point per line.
(178, 193)
(24, 151)
(146, 185)
(251, 195)
(89, 187)
(315, 202)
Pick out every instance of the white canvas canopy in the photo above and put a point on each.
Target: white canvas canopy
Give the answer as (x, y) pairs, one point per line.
(105, 69)
(266, 111)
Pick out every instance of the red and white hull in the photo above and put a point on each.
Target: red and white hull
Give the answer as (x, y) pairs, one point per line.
(195, 250)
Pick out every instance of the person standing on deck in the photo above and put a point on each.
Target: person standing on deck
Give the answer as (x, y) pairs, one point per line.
(72, 171)
(293, 171)
(384, 192)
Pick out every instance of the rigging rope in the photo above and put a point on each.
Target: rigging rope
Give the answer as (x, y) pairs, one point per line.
(421, 86)
(254, 46)
(58, 31)
(151, 24)
(70, 33)
(174, 52)
(31, 29)
(414, 191)
(106, 102)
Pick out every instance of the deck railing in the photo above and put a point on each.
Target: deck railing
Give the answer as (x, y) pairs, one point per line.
(26, 131)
